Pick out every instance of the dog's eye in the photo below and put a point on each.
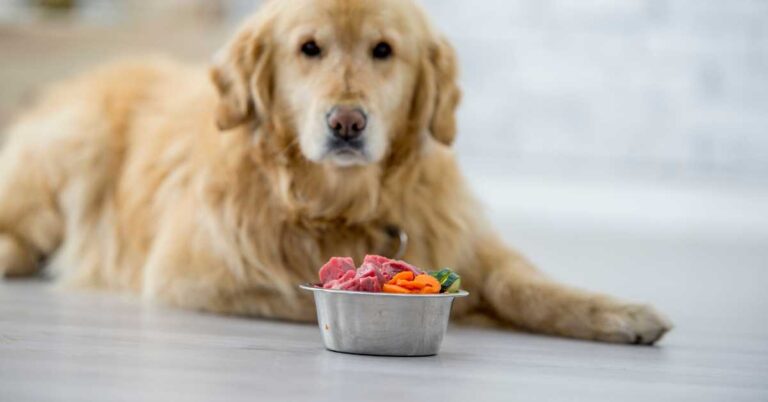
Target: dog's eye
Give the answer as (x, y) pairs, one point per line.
(310, 49)
(382, 51)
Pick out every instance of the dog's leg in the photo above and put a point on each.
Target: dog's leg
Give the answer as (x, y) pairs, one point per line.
(523, 296)
(30, 226)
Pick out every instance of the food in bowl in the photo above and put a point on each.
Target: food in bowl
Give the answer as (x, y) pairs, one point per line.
(381, 274)
(383, 307)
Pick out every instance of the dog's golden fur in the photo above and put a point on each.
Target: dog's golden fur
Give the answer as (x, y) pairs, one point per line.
(191, 188)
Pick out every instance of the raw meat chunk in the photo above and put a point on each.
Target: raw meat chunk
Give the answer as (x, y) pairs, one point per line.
(335, 268)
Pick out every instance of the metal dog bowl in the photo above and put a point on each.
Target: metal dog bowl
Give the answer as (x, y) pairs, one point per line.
(384, 324)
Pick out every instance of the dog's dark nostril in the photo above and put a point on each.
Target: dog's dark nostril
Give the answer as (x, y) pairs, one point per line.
(347, 122)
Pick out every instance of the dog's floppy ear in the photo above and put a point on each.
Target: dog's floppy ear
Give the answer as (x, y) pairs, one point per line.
(242, 75)
(446, 96)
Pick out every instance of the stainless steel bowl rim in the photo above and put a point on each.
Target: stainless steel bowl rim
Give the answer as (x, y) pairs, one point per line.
(312, 288)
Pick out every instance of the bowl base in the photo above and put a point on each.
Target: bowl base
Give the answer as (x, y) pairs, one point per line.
(379, 354)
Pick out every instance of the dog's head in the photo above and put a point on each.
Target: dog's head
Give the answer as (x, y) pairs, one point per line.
(347, 79)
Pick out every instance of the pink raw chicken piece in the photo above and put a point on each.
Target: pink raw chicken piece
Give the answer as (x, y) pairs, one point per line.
(341, 283)
(369, 270)
(352, 284)
(377, 260)
(362, 280)
(369, 284)
(335, 268)
(400, 266)
(387, 268)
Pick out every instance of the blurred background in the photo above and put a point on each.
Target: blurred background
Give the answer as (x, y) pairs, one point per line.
(605, 136)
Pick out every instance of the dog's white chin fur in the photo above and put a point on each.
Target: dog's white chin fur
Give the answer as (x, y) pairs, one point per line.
(347, 159)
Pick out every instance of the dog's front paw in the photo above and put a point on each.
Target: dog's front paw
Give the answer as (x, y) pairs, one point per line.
(630, 323)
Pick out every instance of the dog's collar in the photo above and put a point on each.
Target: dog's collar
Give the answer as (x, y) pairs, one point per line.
(392, 231)
(398, 234)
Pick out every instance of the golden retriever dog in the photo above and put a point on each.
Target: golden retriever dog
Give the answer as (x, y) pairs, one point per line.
(323, 128)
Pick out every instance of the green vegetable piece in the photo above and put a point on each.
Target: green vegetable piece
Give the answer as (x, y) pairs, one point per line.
(449, 281)
(454, 287)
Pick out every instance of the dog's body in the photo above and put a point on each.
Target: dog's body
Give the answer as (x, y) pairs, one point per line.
(122, 179)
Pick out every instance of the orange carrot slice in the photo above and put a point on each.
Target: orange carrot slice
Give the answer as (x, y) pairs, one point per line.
(428, 284)
(408, 284)
(389, 288)
(404, 282)
(405, 275)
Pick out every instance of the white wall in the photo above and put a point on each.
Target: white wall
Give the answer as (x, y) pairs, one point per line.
(651, 88)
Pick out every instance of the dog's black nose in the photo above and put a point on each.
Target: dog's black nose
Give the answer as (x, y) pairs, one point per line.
(346, 122)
